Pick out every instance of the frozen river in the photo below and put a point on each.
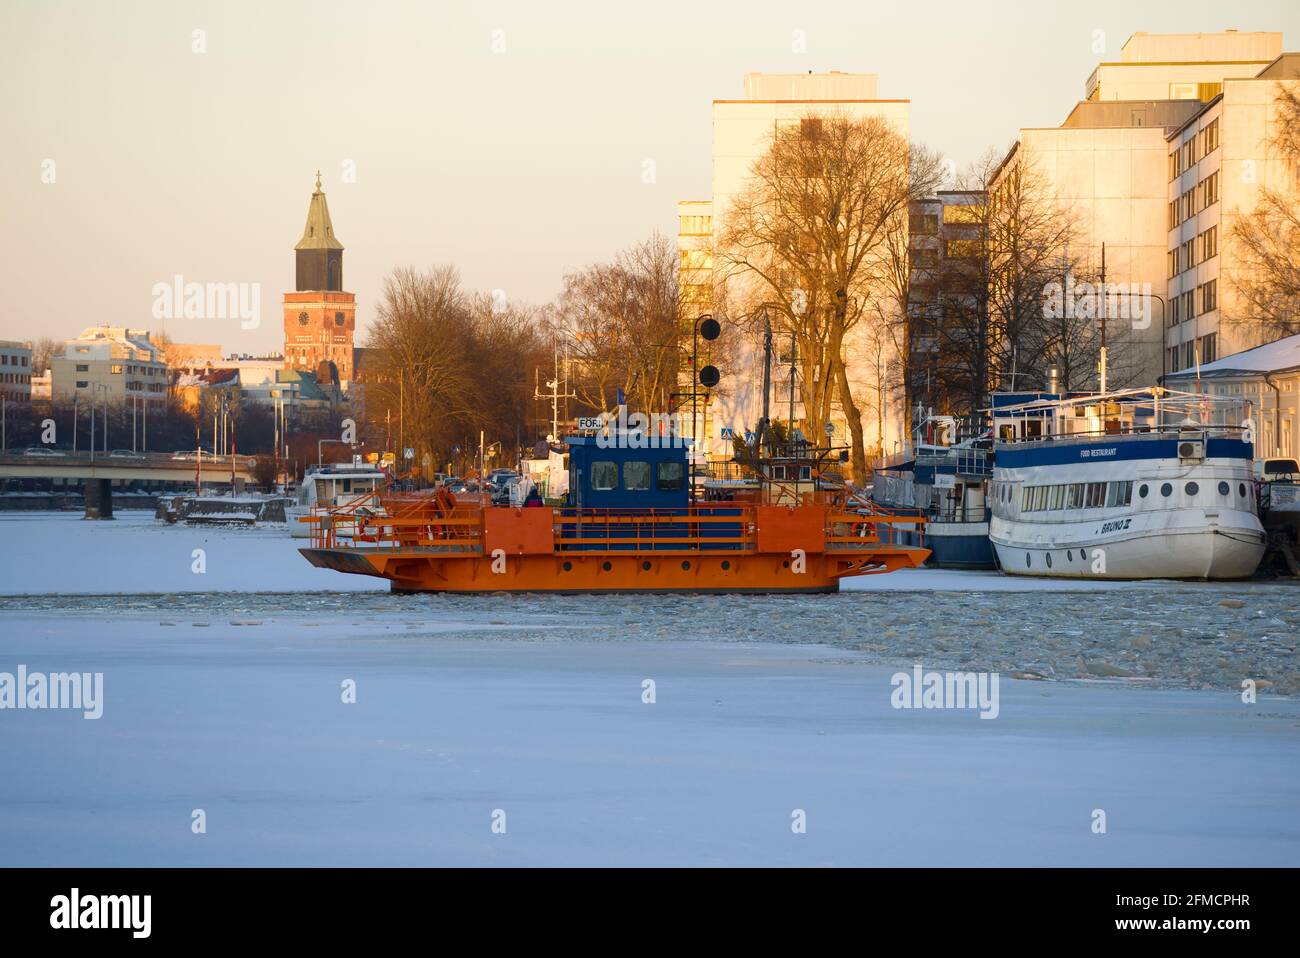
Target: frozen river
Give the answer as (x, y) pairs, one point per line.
(223, 691)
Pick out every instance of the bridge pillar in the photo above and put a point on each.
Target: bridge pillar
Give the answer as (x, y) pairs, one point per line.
(99, 499)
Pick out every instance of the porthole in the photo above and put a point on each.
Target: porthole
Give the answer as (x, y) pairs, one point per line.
(1224, 489)
(725, 565)
(1241, 489)
(568, 567)
(1049, 560)
(606, 565)
(1191, 488)
(686, 565)
(1029, 560)
(1142, 491)
(646, 565)
(1166, 490)
(1069, 555)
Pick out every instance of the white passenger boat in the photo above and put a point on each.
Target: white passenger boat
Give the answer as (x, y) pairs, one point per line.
(328, 487)
(1137, 484)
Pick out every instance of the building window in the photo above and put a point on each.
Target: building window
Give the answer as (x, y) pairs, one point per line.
(1209, 296)
(82, 384)
(1209, 347)
(1209, 243)
(83, 368)
(1182, 91)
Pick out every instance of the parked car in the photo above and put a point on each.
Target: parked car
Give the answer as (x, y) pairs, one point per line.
(42, 452)
(125, 454)
(462, 486)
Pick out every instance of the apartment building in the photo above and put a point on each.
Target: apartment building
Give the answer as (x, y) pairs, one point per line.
(16, 371)
(1106, 166)
(1218, 160)
(109, 364)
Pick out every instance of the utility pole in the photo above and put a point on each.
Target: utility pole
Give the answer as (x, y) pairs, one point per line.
(557, 389)
(1101, 367)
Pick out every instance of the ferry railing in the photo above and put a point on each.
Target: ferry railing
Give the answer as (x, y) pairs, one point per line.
(383, 523)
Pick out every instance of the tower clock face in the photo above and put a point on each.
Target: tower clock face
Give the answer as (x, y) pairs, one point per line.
(302, 319)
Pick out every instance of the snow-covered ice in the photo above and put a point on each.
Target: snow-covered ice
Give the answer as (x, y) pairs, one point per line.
(455, 720)
(223, 693)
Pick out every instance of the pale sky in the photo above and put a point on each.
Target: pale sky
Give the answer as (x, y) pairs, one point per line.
(516, 166)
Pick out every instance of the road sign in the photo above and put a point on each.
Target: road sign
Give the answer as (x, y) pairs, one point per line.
(830, 429)
(591, 423)
(408, 453)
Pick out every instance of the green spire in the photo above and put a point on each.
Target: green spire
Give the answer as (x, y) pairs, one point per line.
(319, 231)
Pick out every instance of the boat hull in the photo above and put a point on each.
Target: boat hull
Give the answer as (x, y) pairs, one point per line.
(410, 571)
(960, 545)
(1175, 547)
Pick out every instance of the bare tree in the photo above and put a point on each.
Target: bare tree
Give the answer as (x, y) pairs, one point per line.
(809, 237)
(1267, 278)
(620, 323)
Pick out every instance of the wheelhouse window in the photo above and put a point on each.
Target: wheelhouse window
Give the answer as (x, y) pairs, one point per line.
(604, 475)
(636, 476)
(670, 476)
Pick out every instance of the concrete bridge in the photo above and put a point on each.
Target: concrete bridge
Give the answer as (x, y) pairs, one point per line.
(100, 471)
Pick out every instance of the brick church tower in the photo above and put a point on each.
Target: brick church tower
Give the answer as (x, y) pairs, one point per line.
(319, 317)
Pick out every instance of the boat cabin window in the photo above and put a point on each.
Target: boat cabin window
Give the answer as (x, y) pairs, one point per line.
(636, 476)
(1096, 495)
(1007, 432)
(604, 475)
(670, 476)
(1033, 428)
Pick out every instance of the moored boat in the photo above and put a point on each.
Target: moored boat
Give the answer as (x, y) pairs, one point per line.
(1135, 484)
(628, 524)
(327, 486)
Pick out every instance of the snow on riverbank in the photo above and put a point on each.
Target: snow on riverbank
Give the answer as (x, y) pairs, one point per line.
(60, 552)
(457, 718)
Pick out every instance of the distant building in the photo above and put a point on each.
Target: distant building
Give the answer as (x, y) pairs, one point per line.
(944, 232)
(42, 387)
(192, 355)
(319, 316)
(16, 371)
(1269, 376)
(110, 363)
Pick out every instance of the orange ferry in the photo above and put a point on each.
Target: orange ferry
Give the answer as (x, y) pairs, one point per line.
(629, 523)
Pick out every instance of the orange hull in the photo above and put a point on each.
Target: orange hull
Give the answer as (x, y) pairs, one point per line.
(606, 572)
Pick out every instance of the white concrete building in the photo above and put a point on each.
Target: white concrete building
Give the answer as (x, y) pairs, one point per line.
(1217, 162)
(110, 363)
(16, 371)
(742, 133)
(1107, 166)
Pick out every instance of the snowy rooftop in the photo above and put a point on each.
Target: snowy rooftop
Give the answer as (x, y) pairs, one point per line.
(1269, 358)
